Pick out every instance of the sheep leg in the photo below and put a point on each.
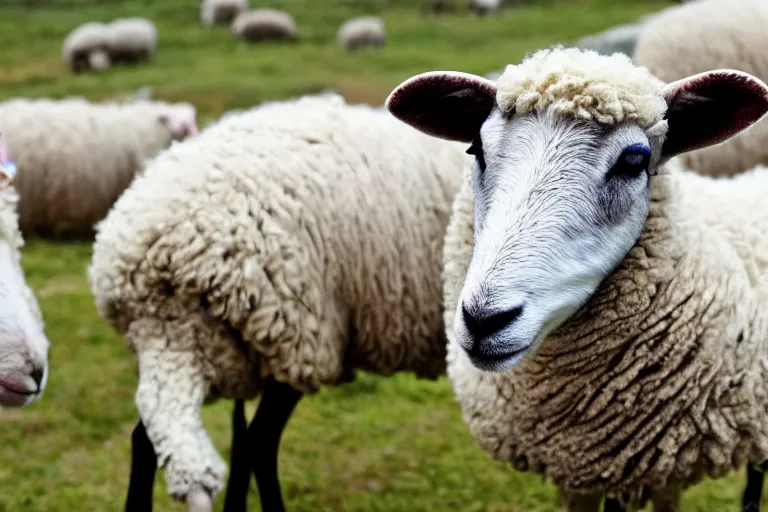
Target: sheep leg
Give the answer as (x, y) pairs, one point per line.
(239, 468)
(613, 505)
(666, 499)
(143, 469)
(574, 502)
(275, 408)
(753, 493)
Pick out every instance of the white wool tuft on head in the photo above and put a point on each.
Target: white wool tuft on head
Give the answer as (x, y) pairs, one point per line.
(585, 84)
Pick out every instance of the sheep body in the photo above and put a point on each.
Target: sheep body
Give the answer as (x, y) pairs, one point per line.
(278, 243)
(660, 377)
(264, 24)
(621, 38)
(221, 12)
(131, 40)
(710, 34)
(86, 47)
(75, 157)
(362, 31)
(482, 7)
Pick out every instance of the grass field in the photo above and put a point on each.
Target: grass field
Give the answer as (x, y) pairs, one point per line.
(375, 445)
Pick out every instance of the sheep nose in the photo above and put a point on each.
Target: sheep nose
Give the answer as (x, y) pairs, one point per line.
(482, 325)
(37, 375)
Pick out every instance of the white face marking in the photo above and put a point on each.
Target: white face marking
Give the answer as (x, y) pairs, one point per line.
(558, 206)
(23, 344)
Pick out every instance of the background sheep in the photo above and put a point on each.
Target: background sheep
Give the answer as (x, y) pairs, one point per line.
(440, 6)
(704, 35)
(641, 368)
(265, 24)
(131, 40)
(75, 157)
(23, 344)
(483, 7)
(275, 252)
(221, 12)
(86, 48)
(362, 31)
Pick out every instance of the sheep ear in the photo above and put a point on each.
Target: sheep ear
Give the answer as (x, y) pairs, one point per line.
(445, 104)
(710, 108)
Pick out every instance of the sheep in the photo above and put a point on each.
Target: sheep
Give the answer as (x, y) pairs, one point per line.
(439, 7)
(604, 306)
(274, 253)
(704, 35)
(264, 24)
(76, 157)
(86, 48)
(23, 343)
(131, 40)
(362, 31)
(483, 7)
(221, 12)
(621, 38)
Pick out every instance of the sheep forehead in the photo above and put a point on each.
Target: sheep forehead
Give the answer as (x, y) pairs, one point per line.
(584, 84)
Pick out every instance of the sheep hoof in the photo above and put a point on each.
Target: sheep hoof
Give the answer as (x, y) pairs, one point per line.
(199, 501)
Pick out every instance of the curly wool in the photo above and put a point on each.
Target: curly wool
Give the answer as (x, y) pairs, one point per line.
(711, 34)
(585, 84)
(298, 241)
(75, 158)
(660, 378)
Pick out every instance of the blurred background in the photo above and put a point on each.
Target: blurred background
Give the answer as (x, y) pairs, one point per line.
(395, 444)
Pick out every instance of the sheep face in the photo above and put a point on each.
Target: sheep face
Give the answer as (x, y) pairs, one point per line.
(180, 119)
(559, 199)
(23, 344)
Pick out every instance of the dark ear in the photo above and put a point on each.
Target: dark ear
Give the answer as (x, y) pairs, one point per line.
(710, 108)
(445, 104)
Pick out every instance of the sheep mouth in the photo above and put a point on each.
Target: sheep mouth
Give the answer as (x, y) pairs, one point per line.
(14, 395)
(496, 362)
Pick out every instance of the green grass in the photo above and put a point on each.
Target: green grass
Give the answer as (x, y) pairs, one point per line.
(393, 444)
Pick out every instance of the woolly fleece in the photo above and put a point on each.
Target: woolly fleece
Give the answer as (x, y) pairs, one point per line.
(75, 158)
(705, 35)
(660, 378)
(299, 241)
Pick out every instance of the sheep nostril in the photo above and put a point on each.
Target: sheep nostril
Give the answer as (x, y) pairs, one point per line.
(481, 325)
(37, 375)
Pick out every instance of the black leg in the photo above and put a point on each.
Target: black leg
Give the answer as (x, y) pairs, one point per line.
(613, 505)
(277, 404)
(143, 468)
(239, 468)
(753, 493)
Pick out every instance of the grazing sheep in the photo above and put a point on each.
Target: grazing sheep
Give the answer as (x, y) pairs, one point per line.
(23, 344)
(264, 24)
(86, 48)
(621, 38)
(605, 308)
(483, 7)
(221, 12)
(362, 31)
(131, 40)
(711, 34)
(276, 252)
(439, 7)
(75, 157)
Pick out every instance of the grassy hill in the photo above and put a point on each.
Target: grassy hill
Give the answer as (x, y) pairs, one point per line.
(376, 445)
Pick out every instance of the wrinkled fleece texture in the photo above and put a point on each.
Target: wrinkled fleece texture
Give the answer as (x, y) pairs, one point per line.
(661, 377)
(298, 241)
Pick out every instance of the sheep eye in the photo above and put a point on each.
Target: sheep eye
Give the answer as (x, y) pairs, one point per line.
(477, 149)
(632, 162)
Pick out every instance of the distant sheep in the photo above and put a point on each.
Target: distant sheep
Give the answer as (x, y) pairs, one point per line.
(440, 6)
(621, 38)
(701, 36)
(131, 40)
(362, 31)
(86, 48)
(75, 157)
(265, 24)
(483, 7)
(221, 12)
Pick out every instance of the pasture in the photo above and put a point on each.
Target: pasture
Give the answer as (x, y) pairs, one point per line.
(394, 444)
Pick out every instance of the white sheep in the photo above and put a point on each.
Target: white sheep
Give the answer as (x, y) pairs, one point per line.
(704, 35)
(620, 38)
(76, 157)
(221, 12)
(483, 7)
(362, 31)
(86, 48)
(264, 24)
(131, 40)
(605, 308)
(276, 252)
(23, 344)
